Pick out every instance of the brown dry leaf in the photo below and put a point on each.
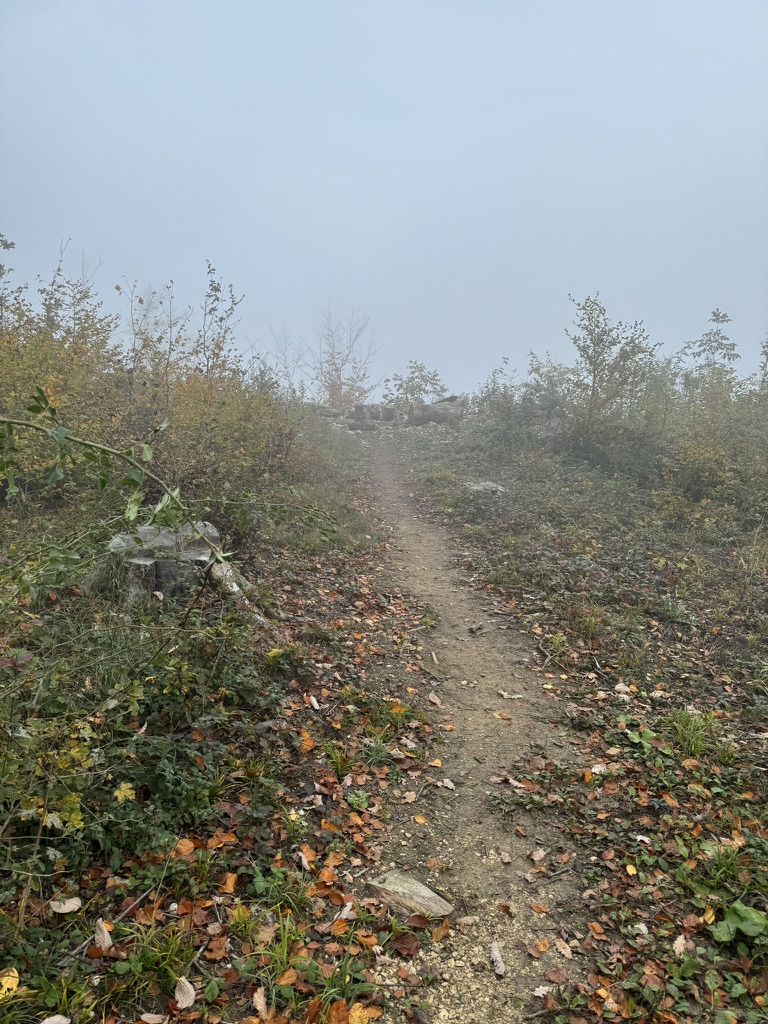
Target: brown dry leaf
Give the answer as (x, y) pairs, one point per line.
(564, 949)
(417, 921)
(505, 857)
(409, 797)
(557, 976)
(597, 930)
(502, 715)
(434, 863)
(334, 859)
(338, 1012)
(227, 883)
(406, 943)
(217, 948)
(287, 977)
(339, 926)
(219, 839)
(539, 948)
(538, 855)
(539, 908)
(367, 939)
(183, 848)
(144, 915)
(420, 819)
(439, 933)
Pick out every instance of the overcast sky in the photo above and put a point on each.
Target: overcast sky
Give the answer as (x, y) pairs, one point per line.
(454, 168)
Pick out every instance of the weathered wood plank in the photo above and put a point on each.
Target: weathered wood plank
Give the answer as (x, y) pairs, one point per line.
(407, 894)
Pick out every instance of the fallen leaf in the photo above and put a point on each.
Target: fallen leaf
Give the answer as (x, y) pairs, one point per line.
(287, 977)
(538, 855)
(564, 949)
(101, 936)
(359, 1014)
(259, 1001)
(9, 982)
(153, 1018)
(434, 863)
(338, 1012)
(541, 991)
(439, 933)
(630, 869)
(497, 961)
(219, 839)
(184, 994)
(183, 848)
(406, 943)
(417, 921)
(420, 819)
(66, 906)
(678, 946)
(409, 797)
(557, 976)
(539, 908)
(57, 1018)
(227, 883)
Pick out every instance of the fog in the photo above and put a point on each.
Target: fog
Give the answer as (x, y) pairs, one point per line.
(454, 170)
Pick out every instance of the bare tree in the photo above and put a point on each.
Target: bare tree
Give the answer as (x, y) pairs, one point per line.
(289, 358)
(340, 357)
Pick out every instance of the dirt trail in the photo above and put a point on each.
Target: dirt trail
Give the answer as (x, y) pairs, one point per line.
(484, 858)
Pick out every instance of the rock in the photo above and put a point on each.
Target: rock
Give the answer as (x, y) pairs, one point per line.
(154, 559)
(408, 895)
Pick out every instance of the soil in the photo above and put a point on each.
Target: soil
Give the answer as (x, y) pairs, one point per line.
(491, 867)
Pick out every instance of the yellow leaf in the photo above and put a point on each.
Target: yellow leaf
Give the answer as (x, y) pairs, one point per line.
(124, 791)
(9, 982)
(631, 869)
(359, 1014)
(437, 763)
(420, 819)
(708, 916)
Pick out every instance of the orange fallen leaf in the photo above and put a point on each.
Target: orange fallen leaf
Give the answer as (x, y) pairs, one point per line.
(338, 1012)
(227, 883)
(183, 848)
(219, 839)
(287, 977)
(539, 908)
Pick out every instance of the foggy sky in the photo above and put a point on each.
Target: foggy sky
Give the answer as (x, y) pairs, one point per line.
(454, 168)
